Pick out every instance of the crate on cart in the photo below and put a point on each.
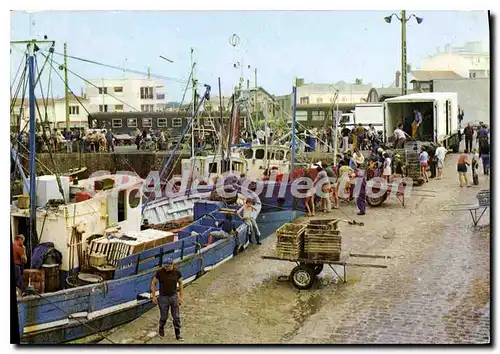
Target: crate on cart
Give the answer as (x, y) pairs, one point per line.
(323, 224)
(290, 241)
(323, 240)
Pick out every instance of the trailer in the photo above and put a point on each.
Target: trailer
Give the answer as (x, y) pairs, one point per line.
(439, 116)
(305, 273)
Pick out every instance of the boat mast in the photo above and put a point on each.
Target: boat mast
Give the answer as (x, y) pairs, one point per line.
(31, 75)
(66, 90)
(292, 155)
(193, 82)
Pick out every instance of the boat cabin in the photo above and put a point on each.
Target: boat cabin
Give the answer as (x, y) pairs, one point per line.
(86, 208)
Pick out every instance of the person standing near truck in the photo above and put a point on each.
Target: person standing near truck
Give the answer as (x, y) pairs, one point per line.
(469, 133)
(417, 125)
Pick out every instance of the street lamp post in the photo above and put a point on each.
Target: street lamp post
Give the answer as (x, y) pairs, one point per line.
(404, 67)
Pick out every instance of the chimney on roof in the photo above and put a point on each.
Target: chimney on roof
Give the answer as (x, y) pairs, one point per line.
(398, 77)
(299, 82)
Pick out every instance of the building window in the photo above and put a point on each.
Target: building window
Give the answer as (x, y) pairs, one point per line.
(304, 100)
(132, 123)
(162, 122)
(146, 93)
(147, 122)
(147, 107)
(472, 75)
(118, 89)
(103, 90)
(301, 116)
(176, 122)
(318, 115)
(103, 108)
(117, 123)
(319, 100)
(74, 109)
(118, 107)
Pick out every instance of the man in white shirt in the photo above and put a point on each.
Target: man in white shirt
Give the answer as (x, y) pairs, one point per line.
(399, 137)
(440, 155)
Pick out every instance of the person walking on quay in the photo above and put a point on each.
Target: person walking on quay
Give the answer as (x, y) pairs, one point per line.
(109, 139)
(482, 135)
(484, 154)
(345, 138)
(475, 167)
(440, 155)
(323, 182)
(387, 170)
(424, 162)
(462, 164)
(359, 177)
(469, 133)
(431, 151)
(170, 280)
(246, 214)
(19, 259)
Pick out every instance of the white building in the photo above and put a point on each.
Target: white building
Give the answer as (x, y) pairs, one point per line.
(53, 110)
(125, 95)
(469, 61)
(325, 93)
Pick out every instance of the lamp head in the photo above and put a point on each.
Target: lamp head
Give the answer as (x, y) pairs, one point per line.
(388, 19)
(419, 19)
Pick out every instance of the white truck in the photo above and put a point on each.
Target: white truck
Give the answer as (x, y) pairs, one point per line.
(439, 116)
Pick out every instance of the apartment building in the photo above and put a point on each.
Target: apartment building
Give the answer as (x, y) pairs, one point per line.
(125, 95)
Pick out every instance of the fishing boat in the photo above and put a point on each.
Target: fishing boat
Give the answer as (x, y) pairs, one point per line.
(91, 258)
(107, 260)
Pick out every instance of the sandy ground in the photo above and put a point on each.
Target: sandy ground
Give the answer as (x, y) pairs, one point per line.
(436, 288)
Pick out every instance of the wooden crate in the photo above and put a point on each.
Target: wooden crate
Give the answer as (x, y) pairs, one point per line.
(317, 256)
(290, 230)
(323, 224)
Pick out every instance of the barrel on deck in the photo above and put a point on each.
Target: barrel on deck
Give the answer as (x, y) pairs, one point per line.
(52, 277)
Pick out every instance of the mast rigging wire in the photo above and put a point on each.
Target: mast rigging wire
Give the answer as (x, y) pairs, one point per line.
(90, 83)
(132, 71)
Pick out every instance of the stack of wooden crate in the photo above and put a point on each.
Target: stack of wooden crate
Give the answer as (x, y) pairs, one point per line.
(290, 241)
(322, 240)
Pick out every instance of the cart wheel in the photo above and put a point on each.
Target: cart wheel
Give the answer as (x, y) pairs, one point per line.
(318, 268)
(302, 276)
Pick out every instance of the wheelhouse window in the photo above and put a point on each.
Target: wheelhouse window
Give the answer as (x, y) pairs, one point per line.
(162, 122)
(248, 153)
(147, 122)
(259, 154)
(117, 123)
(279, 155)
(212, 167)
(132, 122)
(134, 198)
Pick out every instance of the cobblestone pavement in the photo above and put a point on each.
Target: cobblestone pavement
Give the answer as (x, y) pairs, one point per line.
(435, 290)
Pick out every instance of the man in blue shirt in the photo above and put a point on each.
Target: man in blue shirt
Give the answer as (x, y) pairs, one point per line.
(227, 224)
(418, 122)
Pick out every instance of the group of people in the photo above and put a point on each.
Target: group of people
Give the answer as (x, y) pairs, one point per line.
(152, 140)
(360, 137)
(68, 141)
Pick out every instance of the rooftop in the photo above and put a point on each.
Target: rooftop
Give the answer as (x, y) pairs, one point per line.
(424, 75)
